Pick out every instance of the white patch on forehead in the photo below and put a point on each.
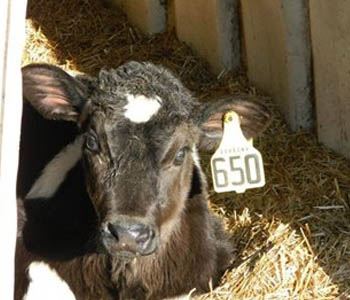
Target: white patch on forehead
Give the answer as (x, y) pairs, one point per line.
(56, 171)
(140, 109)
(45, 283)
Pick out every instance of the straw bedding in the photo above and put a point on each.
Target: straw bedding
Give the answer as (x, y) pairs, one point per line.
(292, 237)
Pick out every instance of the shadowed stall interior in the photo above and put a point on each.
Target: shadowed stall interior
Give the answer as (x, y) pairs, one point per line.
(292, 237)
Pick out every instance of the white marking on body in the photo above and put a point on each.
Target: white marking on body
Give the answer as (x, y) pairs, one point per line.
(45, 283)
(56, 171)
(141, 109)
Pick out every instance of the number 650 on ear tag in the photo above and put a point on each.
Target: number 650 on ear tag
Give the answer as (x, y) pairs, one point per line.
(236, 165)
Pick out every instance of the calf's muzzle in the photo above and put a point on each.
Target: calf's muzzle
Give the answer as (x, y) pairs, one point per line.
(129, 238)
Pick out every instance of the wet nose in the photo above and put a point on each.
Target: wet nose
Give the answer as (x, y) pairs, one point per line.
(137, 238)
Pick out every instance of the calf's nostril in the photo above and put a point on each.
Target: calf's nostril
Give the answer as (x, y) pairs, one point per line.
(143, 237)
(113, 230)
(141, 233)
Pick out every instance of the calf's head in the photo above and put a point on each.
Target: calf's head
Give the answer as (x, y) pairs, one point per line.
(140, 132)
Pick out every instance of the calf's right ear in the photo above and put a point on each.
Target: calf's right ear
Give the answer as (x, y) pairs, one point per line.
(53, 93)
(254, 118)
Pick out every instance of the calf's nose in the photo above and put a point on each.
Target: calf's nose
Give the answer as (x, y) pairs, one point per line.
(136, 238)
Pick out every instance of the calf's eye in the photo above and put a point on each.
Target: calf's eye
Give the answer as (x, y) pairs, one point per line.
(180, 156)
(91, 143)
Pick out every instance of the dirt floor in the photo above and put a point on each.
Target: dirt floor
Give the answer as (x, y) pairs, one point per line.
(292, 237)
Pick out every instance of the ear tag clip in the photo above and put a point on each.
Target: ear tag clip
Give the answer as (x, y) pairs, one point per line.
(236, 165)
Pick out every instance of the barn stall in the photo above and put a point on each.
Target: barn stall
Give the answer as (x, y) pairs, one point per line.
(292, 237)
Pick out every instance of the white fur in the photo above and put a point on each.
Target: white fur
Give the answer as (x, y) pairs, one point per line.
(45, 284)
(56, 170)
(140, 109)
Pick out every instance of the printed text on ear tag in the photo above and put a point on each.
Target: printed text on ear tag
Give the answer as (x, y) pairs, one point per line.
(236, 165)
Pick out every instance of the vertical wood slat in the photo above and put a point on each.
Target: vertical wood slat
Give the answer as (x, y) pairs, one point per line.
(211, 28)
(278, 55)
(12, 30)
(148, 15)
(330, 27)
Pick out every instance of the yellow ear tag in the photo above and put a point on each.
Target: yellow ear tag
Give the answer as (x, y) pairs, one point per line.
(236, 165)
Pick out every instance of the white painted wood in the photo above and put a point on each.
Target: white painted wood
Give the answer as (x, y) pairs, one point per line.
(12, 32)
(330, 33)
(148, 15)
(211, 28)
(278, 55)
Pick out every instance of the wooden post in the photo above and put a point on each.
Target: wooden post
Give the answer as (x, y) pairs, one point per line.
(148, 15)
(278, 55)
(12, 32)
(330, 27)
(211, 28)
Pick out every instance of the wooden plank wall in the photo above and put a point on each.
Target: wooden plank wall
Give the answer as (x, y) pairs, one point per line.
(330, 33)
(278, 55)
(279, 40)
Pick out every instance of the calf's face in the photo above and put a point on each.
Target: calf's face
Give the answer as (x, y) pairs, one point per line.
(141, 129)
(138, 173)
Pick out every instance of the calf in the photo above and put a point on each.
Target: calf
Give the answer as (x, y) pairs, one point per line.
(121, 211)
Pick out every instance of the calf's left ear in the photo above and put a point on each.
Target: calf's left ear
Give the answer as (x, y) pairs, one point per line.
(52, 92)
(254, 116)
